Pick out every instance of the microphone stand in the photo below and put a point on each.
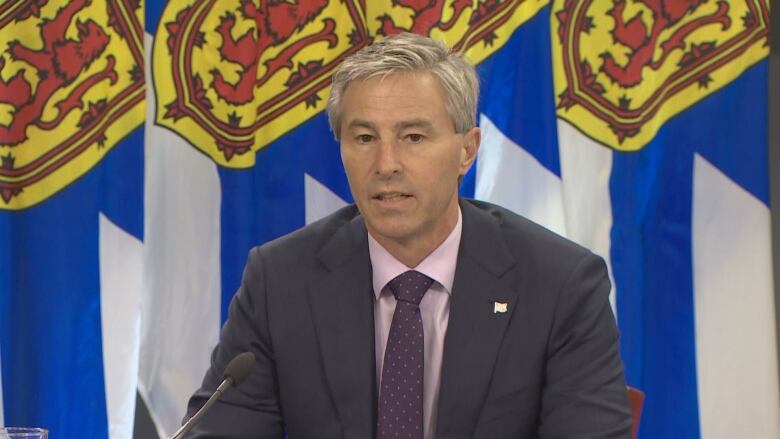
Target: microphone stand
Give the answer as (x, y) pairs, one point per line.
(226, 383)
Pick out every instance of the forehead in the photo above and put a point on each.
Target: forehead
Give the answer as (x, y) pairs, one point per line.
(395, 96)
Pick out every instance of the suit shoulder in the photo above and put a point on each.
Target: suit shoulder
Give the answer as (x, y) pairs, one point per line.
(308, 239)
(526, 238)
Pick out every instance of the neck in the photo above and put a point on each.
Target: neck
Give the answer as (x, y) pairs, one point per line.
(409, 255)
(413, 250)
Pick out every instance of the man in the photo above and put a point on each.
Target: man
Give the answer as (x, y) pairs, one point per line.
(416, 313)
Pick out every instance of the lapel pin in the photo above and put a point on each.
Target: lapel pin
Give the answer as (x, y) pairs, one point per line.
(499, 307)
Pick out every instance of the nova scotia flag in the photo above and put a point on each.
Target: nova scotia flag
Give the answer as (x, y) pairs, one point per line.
(654, 155)
(71, 214)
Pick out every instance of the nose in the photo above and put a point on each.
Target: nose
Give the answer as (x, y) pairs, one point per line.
(387, 159)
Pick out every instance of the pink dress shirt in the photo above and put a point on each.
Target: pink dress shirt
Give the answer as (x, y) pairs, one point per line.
(434, 309)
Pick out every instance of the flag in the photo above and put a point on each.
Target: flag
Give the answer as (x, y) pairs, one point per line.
(71, 222)
(647, 143)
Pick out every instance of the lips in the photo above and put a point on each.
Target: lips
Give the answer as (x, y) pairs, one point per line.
(391, 196)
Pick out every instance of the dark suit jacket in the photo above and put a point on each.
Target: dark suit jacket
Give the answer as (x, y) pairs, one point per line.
(549, 367)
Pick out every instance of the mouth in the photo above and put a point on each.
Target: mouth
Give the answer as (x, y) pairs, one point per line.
(391, 197)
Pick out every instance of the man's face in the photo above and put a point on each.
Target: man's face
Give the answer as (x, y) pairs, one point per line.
(403, 158)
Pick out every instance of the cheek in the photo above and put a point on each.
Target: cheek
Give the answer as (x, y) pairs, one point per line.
(438, 177)
(355, 170)
(348, 159)
(447, 167)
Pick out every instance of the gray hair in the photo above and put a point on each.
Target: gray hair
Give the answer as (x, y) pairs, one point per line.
(408, 52)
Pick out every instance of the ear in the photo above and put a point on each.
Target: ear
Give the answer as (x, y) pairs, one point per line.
(468, 152)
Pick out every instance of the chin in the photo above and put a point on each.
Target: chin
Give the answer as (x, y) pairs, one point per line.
(396, 232)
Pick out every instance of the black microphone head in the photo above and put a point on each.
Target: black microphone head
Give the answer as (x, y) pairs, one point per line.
(239, 367)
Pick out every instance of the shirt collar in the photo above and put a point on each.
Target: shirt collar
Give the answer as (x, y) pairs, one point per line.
(439, 265)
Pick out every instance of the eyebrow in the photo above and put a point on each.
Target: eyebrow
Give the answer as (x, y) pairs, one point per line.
(361, 123)
(404, 124)
(414, 123)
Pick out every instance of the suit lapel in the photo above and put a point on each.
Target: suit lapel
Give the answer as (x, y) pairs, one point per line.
(483, 285)
(343, 309)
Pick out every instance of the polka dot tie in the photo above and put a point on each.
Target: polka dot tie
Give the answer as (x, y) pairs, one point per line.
(400, 411)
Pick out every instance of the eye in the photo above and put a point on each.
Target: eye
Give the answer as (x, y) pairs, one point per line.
(415, 138)
(364, 138)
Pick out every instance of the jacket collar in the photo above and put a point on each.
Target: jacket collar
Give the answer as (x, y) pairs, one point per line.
(484, 298)
(342, 307)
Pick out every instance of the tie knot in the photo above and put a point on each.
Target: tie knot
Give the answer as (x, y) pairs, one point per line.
(410, 286)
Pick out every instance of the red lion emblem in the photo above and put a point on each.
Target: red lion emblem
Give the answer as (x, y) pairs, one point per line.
(665, 48)
(634, 34)
(58, 63)
(276, 22)
(427, 16)
(272, 49)
(69, 95)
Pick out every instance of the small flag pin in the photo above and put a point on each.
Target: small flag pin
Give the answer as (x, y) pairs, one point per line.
(499, 307)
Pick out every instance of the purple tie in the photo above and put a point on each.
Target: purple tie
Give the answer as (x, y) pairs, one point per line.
(400, 396)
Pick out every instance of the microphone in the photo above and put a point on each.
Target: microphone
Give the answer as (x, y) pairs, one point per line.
(235, 373)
